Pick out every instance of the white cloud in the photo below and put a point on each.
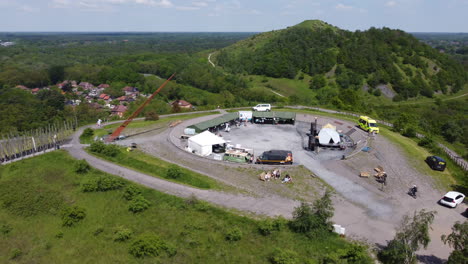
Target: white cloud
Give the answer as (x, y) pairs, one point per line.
(343, 6)
(391, 3)
(27, 9)
(60, 3)
(187, 8)
(199, 4)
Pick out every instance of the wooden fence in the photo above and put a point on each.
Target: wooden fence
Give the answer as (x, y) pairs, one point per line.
(18, 146)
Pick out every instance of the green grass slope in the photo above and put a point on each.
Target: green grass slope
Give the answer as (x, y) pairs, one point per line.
(34, 193)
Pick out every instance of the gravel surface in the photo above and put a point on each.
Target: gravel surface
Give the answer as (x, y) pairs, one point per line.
(366, 210)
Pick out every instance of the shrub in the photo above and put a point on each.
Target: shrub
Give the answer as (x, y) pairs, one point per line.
(427, 142)
(280, 256)
(269, 226)
(59, 234)
(82, 167)
(111, 150)
(150, 245)
(409, 132)
(97, 147)
(174, 172)
(151, 116)
(72, 215)
(5, 229)
(234, 234)
(122, 234)
(88, 132)
(131, 191)
(266, 227)
(101, 183)
(16, 253)
(98, 231)
(138, 204)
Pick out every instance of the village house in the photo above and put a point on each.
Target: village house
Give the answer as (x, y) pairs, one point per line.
(86, 85)
(119, 110)
(182, 104)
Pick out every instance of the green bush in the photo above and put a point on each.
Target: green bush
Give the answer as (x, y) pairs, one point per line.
(88, 132)
(98, 231)
(138, 204)
(5, 229)
(59, 234)
(427, 142)
(111, 150)
(72, 215)
(82, 167)
(268, 226)
(150, 245)
(101, 183)
(174, 172)
(234, 234)
(16, 253)
(131, 191)
(97, 147)
(283, 256)
(122, 234)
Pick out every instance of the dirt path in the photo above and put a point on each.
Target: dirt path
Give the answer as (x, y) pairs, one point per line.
(209, 60)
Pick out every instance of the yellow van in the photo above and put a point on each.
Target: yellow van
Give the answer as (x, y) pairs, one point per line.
(368, 124)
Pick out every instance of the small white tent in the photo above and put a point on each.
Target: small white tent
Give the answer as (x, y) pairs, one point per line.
(202, 144)
(329, 137)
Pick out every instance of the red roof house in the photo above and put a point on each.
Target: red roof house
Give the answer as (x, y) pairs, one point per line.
(182, 104)
(119, 110)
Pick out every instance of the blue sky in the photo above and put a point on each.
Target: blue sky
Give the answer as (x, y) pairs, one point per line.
(230, 15)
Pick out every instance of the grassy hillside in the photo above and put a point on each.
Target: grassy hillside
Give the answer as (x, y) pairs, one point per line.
(34, 222)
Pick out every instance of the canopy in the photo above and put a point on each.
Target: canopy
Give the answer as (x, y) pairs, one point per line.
(202, 144)
(215, 122)
(329, 137)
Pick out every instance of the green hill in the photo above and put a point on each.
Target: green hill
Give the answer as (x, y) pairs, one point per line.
(343, 59)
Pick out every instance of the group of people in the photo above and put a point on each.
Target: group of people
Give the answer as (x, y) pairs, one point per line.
(275, 174)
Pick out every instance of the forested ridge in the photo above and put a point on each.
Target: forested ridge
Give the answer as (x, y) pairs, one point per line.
(312, 63)
(347, 59)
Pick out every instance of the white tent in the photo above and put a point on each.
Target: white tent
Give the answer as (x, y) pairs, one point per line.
(329, 137)
(245, 115)
(202, 144)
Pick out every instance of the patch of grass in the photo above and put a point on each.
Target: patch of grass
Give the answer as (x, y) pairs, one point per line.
(171, 230)
(416, 156)
(138, 126)
(153, 166)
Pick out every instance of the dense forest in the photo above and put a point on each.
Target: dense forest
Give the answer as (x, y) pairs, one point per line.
(347, 60)
(335, 68)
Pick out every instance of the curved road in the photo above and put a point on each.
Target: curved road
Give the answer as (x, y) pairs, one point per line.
(269, 206)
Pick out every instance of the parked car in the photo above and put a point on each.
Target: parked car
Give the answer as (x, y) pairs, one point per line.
(452, 199)
(275, 157)
(262, 107)
(436, 163)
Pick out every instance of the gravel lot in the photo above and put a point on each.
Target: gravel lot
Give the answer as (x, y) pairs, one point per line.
(366, 210)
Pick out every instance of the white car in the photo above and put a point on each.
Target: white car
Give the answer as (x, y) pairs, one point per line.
(262, 107)
(452, 199)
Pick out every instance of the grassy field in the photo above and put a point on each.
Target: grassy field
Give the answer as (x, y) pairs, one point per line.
(139, 126)
(188, 231)
(153, 166)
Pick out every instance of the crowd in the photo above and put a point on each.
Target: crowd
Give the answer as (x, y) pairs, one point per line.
(275, 175)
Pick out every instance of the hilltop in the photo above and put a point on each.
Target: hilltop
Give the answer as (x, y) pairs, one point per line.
(337, 58)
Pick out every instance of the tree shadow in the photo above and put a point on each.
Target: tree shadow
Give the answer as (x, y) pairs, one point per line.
(430, 259)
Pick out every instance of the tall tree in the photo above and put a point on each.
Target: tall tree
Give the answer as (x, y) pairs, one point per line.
(458, 240)
(410, 237)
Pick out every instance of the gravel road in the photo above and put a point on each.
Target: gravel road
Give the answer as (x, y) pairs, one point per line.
(366, 212)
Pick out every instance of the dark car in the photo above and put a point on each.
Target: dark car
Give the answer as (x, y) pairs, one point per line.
(436, 163)
(275, 157)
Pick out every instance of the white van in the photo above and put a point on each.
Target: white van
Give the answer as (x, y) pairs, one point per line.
(262, 107)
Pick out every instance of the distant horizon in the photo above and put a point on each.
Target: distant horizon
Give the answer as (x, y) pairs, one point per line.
(80, 32)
